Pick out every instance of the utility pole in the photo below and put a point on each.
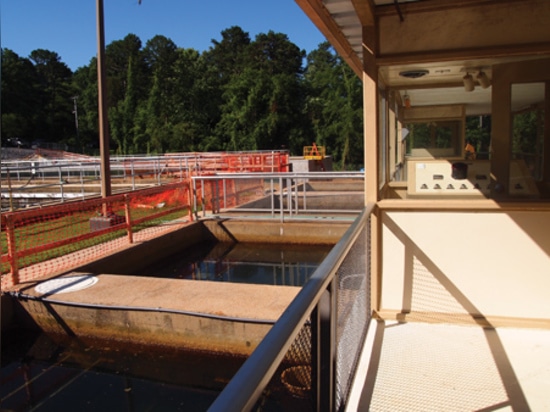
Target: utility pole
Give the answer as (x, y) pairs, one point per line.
(75, 112)
(102, 107)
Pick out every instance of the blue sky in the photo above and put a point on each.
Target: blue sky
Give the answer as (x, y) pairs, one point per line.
(68, 27)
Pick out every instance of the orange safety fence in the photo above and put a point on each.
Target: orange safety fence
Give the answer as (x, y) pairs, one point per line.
(40, 242)
(217, 194)
(257, 162)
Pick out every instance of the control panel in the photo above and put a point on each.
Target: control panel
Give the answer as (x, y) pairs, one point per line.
(470, 178)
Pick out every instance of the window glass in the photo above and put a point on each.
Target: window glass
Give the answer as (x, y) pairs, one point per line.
(434, 139)
(527, 145)
(382, 139)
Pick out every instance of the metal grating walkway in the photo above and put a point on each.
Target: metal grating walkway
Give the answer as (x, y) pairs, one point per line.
(444, 367)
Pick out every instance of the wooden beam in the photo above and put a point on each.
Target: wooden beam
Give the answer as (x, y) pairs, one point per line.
(483, 25)
(546, 144)
(464, 54)
(371, 130)
(365, 12)
(407, 8)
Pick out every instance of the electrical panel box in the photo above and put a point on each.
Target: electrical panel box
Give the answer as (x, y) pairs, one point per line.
(463, 178)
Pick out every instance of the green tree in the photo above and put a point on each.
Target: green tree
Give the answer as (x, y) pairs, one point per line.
(20, 94)
(56, 122)
(192, 112)
(334, 105)
(238, 95)
(122, 116)
(229, 56)
(160, 55)
(119, 54)
(128, 82)
(224, 61)
(85, 86)
(275, 54)
(261, 103)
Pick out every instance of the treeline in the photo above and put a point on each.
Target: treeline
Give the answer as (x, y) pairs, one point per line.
(241, 94)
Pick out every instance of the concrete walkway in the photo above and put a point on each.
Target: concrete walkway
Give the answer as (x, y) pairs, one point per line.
(221, 317)
(224, 299)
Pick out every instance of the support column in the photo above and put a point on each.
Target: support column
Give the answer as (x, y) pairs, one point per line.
(371, 132)
(370, 116)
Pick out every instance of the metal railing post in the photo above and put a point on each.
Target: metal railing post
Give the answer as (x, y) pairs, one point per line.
(272, 190)
(9, 189)
(187, 183)
(133, 174)
(61, 185)
(159, 170)
(304, 183)
(203, 203)
(216, 197)
(194, 194)
(224, 193)
(281, 199)
(289, 195)
(82, 191)
(296, 193)
(323, 348)
(128, 219)
(12, 249)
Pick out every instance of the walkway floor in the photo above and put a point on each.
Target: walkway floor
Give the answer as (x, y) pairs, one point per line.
(443, 367)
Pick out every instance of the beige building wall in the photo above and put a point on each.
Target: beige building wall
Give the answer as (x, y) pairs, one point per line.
(491, 264)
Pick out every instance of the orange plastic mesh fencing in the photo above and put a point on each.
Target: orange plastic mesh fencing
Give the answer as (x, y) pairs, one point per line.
(43, 242)
(256, 162)
(220, 194)
(207, 163)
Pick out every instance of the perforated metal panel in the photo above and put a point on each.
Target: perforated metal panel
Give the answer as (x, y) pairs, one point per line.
(353, 303)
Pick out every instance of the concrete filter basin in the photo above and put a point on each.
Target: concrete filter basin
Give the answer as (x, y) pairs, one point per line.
(218, 322)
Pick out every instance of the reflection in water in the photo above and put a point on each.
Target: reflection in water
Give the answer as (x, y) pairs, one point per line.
(47, 373)
(54, 374)
(269, 264)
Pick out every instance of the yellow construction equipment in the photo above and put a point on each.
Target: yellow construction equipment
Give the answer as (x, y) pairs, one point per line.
(314, 152)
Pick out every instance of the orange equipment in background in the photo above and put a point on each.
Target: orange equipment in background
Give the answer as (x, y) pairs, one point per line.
(314, 152)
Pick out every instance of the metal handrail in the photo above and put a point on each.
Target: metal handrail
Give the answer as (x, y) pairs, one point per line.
(285, 175)
(23, 176)
(245, 388)
(291, 186)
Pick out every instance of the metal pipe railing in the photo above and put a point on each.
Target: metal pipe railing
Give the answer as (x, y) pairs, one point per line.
(55, 173)
(245, 388)
(292, 186)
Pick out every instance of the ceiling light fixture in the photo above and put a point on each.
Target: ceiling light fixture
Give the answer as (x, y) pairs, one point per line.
(483, 80)
(480, 77)
(413, 74)
(468, 82)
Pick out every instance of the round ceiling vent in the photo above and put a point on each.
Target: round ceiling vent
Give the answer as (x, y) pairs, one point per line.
(413, 74)
(66, 284)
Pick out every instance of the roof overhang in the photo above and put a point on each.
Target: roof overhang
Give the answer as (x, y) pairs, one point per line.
(445, 38)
